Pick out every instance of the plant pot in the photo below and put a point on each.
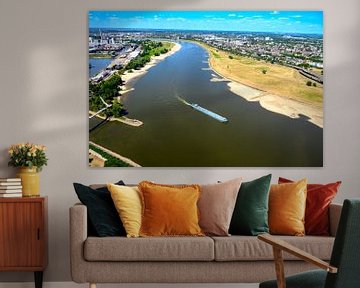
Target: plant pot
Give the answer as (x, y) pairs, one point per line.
(30, 181)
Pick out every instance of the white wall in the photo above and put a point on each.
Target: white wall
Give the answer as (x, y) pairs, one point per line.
(43, 88)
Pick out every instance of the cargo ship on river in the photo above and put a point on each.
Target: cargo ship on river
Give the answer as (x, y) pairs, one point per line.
(205, 111)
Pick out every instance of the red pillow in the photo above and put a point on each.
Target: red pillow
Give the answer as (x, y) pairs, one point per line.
(318, 200)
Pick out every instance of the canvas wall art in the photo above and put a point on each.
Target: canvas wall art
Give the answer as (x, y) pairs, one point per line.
(205, 88)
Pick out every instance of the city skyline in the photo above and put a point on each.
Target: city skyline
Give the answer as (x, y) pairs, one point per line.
(305, 22)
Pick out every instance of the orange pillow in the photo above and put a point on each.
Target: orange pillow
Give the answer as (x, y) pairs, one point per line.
(287, 204)
(318, 200)
(169, 210)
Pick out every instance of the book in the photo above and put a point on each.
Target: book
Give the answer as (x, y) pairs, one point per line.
(10, 183)
(2, 195)
(10, 180)
(10, 191)
(10, 188)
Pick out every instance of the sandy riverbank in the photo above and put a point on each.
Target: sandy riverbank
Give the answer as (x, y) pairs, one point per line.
(288, 106)
(131, 77)
(278, 104)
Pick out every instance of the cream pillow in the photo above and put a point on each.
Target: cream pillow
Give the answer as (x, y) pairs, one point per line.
(216, 206)
(127, 201)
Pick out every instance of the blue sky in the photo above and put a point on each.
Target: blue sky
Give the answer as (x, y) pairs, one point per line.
(254, 21)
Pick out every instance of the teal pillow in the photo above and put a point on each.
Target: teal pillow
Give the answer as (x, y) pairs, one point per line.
(250, 216)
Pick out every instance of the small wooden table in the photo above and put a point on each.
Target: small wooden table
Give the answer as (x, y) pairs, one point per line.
(23, 235)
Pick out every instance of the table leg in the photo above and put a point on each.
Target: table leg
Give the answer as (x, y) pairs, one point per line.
(38, 279)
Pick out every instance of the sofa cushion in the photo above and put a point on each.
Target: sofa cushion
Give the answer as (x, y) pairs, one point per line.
(250, 215)
(244, 248)
(169, 210)
(216, 206)
(102, 216)
(149, 249)
(318, 199)
(287, 204)
(127, 201)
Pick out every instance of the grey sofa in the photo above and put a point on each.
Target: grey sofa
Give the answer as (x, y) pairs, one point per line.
(234, 259)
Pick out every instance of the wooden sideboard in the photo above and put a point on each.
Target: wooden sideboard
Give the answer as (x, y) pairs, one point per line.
(23, 235)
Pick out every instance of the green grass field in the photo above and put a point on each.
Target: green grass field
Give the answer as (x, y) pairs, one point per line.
(111, 160)
(277, 79)
(100, 55)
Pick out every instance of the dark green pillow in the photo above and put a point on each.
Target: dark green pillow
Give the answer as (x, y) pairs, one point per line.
(103, 218)
(250, 216)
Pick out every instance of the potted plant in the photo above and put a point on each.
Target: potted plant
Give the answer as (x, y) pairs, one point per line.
(30, 158)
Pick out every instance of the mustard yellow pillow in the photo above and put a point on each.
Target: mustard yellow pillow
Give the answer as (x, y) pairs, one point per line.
(127, 201)
(169, 210)
(287, 204)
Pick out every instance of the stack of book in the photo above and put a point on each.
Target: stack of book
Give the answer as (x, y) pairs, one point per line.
(10, 187)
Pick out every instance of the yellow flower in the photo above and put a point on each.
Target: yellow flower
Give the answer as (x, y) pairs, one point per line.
(27, 151)
(40, 147)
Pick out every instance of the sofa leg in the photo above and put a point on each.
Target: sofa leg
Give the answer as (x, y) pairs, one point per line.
(92, 285)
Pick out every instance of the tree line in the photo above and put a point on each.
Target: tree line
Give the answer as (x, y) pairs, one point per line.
(149, 48)
(108, 90)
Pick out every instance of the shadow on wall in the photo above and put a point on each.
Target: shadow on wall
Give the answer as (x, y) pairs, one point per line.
(43, 73)
(45, 83)
(46, 92)
(4, 159)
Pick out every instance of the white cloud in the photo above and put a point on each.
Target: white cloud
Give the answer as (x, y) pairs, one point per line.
(296, 16)
(275, 12)
(232, 15)
(283, 18)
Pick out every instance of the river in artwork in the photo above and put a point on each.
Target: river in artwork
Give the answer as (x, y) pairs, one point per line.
(176, 135)
(97, 64)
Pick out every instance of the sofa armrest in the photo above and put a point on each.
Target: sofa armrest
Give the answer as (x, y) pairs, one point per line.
(284, 246)
(334, 217)
(279, 246)
(78, 235)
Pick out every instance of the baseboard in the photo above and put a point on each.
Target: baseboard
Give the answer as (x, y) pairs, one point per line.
(74, 285)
